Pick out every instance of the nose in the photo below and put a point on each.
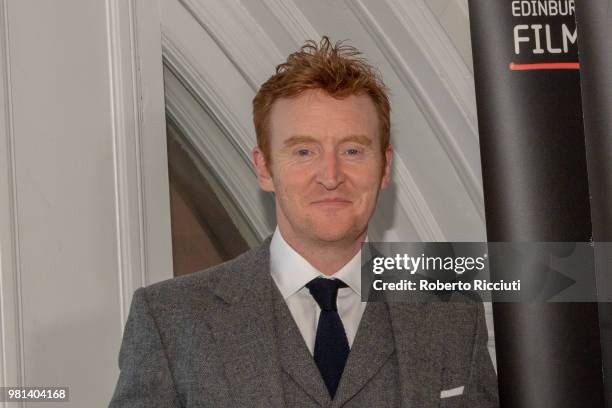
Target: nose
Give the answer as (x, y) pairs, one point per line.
(330, 173)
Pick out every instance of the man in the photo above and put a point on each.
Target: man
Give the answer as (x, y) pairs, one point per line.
(283, 324)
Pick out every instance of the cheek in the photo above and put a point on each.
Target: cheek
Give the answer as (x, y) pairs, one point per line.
(292, 181)
(290, 189)
(368, 183)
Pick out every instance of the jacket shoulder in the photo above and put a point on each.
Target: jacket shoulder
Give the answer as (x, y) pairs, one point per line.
(200, 286)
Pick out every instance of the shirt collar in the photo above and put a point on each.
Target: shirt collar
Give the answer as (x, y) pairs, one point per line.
(291, 272)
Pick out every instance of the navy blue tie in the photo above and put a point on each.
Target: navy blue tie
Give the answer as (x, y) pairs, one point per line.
(331, 345)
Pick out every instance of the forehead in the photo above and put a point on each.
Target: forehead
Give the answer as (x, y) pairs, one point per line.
(317, 114)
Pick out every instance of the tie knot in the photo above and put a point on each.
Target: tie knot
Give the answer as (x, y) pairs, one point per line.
(325, 291)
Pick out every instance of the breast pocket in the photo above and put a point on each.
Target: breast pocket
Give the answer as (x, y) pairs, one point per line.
(452, 398)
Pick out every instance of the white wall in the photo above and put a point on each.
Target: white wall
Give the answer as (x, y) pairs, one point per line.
(84, 211)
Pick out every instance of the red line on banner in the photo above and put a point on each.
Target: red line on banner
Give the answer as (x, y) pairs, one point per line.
(544, 65)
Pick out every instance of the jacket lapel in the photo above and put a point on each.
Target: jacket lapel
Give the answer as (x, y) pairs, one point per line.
(372, 346)
(294, 356)
(418, 352)
(243, 329)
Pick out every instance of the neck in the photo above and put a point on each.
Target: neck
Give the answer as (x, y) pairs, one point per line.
(327, 257)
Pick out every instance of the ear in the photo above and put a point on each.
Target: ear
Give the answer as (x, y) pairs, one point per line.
(264, 177)
(386, 178)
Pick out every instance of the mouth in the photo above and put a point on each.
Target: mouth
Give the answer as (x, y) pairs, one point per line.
(334, 202)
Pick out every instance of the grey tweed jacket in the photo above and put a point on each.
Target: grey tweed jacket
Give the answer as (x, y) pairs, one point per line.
(210, 339)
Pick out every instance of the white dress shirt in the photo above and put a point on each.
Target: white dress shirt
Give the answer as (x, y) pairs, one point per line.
(291, 272)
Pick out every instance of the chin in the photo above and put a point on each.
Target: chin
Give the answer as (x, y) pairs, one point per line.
(331, 233)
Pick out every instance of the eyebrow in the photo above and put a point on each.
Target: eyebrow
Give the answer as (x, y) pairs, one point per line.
(294, 140)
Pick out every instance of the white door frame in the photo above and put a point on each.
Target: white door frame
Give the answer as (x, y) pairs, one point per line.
(140, 171)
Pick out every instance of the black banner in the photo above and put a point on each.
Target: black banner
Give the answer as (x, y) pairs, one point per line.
(594, 19)
(536, 189)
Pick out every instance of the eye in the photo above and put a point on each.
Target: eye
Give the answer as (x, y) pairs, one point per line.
(303, 152)
(353, 152)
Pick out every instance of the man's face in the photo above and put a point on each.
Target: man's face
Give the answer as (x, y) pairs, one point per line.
(327, 166)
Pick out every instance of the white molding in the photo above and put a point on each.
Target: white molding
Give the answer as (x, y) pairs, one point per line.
(228, 201)
(12, 356)
(293, 20)
(427, 106)
(144, 254)
(130, 264)
(241, 40)
(488, 308)
(414, 205)
(423, 26)
(147, 64)
(205, 91)
(216, 148)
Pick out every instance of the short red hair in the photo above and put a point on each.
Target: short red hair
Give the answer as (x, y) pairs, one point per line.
(337, 69)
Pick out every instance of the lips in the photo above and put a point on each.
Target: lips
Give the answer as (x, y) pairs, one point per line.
(332, 201)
